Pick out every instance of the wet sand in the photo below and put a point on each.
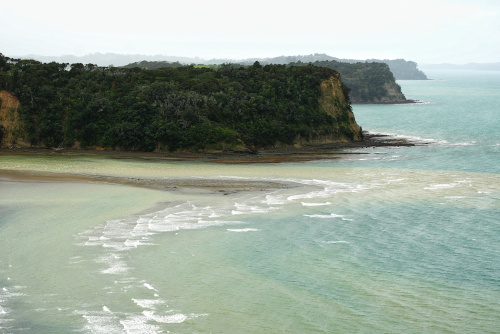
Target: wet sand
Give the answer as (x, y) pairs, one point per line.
(224, 187)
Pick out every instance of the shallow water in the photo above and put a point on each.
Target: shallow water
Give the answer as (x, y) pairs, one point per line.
(394, 240)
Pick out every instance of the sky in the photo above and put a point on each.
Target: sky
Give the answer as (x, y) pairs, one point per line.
(425, 31)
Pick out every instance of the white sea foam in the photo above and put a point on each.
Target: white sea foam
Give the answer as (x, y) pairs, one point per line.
(107, 322)
(330, 216)
(243, 229)
(315, 204)
(328, 189)
(138, 324)
(116, 268)
(441, 186)
(243, 208)
(167, 319)
(416, 140)
(136, 243)
(115, 263)
(130, 323)
(148, 303)
(102, 322)
(274, 199)
(126, 234)
(150, 287)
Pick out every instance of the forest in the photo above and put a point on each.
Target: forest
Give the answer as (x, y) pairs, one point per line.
(67, 105)
(367, 81)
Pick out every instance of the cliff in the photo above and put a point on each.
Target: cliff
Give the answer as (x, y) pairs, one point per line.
(11, 128)
(367, 82)
(334, 102)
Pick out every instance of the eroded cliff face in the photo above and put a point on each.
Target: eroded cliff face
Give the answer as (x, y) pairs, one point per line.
(394, 95)
(394, 92)
(12, 132)
(334, 102)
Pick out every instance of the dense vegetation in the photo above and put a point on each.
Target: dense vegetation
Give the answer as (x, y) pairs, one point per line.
(367, 82)
(170, 108)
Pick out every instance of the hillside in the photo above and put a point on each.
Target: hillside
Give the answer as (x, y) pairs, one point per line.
(169, 109)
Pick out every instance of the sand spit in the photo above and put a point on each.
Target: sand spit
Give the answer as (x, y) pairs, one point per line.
(213, 185)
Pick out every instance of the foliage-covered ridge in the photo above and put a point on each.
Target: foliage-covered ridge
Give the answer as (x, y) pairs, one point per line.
(184, 108)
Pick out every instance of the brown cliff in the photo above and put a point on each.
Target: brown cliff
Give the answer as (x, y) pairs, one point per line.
(10, 124)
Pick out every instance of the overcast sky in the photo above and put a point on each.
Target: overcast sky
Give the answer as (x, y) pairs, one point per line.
(426, 31)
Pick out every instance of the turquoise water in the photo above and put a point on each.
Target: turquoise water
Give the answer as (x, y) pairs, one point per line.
(396, 240)
(460, 114)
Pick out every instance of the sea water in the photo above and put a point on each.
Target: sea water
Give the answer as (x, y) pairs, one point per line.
(393, 240)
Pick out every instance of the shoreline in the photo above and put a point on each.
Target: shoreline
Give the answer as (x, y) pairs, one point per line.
(267, 155)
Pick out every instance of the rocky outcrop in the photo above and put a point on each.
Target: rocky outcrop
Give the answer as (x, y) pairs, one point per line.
(369, 83)
(11, 129)
(394, 95)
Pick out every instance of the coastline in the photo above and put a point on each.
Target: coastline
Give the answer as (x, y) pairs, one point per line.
(265, 155)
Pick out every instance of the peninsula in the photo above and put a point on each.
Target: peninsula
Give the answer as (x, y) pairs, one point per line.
(184, 109)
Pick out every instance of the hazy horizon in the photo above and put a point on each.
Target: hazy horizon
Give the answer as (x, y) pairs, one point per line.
(427, 31)
(160, 56)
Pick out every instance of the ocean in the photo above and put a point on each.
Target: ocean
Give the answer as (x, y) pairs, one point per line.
(383, 240)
